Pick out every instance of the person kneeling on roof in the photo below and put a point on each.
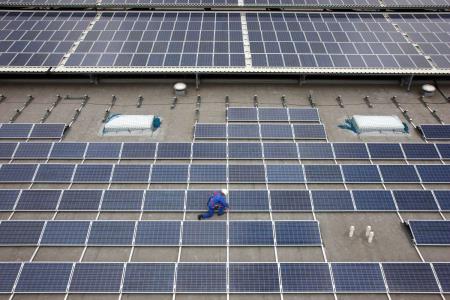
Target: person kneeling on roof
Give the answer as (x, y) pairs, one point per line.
(217, 201)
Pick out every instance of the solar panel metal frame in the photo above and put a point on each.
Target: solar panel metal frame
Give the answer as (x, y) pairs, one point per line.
(241, 112)
(105, 235)
(153, 147)
(230, 127)
(92, 166)
(128, 169)
(64, 168)
(327, 148)
(385, 174)
(392, 291)
(55, 136)
(360, 291)
(97, 279)
(289, 150)
(271, 290)
(43, 241)
(204, 126)
(37, 234)
(275, 111)
(424, 128)
(308, 278)
(309, 136)
(417, 235)
(374, 156)
(39, 278)
(413, 203)
(314, 226)
(435, 173)
(11, 148)
(19, 155)
(19, 180)
(12, 202)
(197, 150)
(169, 150)
(262, 235)
(148, 283)
(355, 200)
(147, 199)
(105, 150)
(416, 151)
(242, 150)
(56, 145)
(315, 118)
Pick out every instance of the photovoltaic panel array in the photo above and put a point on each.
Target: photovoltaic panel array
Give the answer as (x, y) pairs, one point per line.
(436, 131)
(26, 130)
(272, 114)
(430, 232)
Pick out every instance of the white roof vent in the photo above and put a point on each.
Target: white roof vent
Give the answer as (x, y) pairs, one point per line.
(128, 125)
(375, 124)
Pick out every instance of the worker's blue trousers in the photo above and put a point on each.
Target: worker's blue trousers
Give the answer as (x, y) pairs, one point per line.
(211, 210)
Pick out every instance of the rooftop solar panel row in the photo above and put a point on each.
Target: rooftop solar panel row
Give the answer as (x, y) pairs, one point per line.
(272, 114)
(27, 130)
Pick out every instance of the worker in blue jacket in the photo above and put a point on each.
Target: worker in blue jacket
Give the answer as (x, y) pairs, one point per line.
(218, 201)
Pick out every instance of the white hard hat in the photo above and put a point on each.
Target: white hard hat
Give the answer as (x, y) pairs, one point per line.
(224, 191)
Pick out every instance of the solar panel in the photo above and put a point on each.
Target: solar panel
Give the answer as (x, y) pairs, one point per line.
(17, 172)
(373, 200)
(429, 173)
(32, 150)
(158, 233)
(7, 150)
(20, 232)
(44, 278)
(358, 278)
(201, 278)
(298, 233)
(329, 200)
(111, 233)
(322, 173)
(161, 200)
(285, 173)
(254, 278)
(350, 151)
(313, 4)
(443, 198)
(250, 233)
(398, 173)
(244, 151)
(138, 151)
(306, 278)
(149, 278)
(309, 132)
(360, 173)
(242, 114)
(410, 278)
(17, 130)
(198, 233)
(246, 173)
(208, 173)
(8, 199)
(243, 131)
(169, 173)
(166, 3)
(410, 200)
(131, 173)
(103, 150)
(209, 150)
(210, 131)
(47, 131)
(290, 200)
(68, 150)
(174, 150)
(304, 114)
(58, 233)
(272, 114)
(80, 200)
(96, 278)
(444, 150)
(315, 151)
(54, 173)
(435, 131)
(197, 200)
(129, 200)
(90, 173)
(248, 200)
(38, 200)
(385, 151)
(276, 131)
(430, 232)
(443, 273)
(420, 151)
(280, 151)
(8, 274)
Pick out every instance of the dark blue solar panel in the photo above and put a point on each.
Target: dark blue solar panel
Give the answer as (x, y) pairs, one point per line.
(131, 173)
(20, 232)
(280, 151)
(272, 114)
(432, 173)
(15, 130)
(32, 150)
(154, 233)
(149, 278)
(250, 233)
(285, 173)
(92, 173)
(256, 278)
(242, 114)
(303, 233)
(211, 131)
(315, 151)
(8, 274)
(306, 277)
(65, 233)
(80, 200)
(161, 200)
(443, 198)
(244, 150)
(38, 200)
(243, 131)
(200, 233)
(420, 151)
(8, 199)
(138, 150)
(350, 151)
(7, 150)
(201, 278)
(111, 233)
(250, 200)
(174, 150)
(409, 200)
(197, 200)
(410, 278)
(385, 151)
(44, 278)
(398, 173)
(430, 232)
(358, 278)
(209, 150)
(290, 200)
(304, 115)
(322, 173)
(435, 131)
(49, 131)
(96, 278)
(54, 173)
(329, 200)
(443, 274)
(17, 172)
(373, 200)
(309, 132)
(208, 173)
(360, 173)
(103, 150)
(169, 173)
(276, 131)
(246, 173)
(130, 200)
(68, 150)
(444, 150)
